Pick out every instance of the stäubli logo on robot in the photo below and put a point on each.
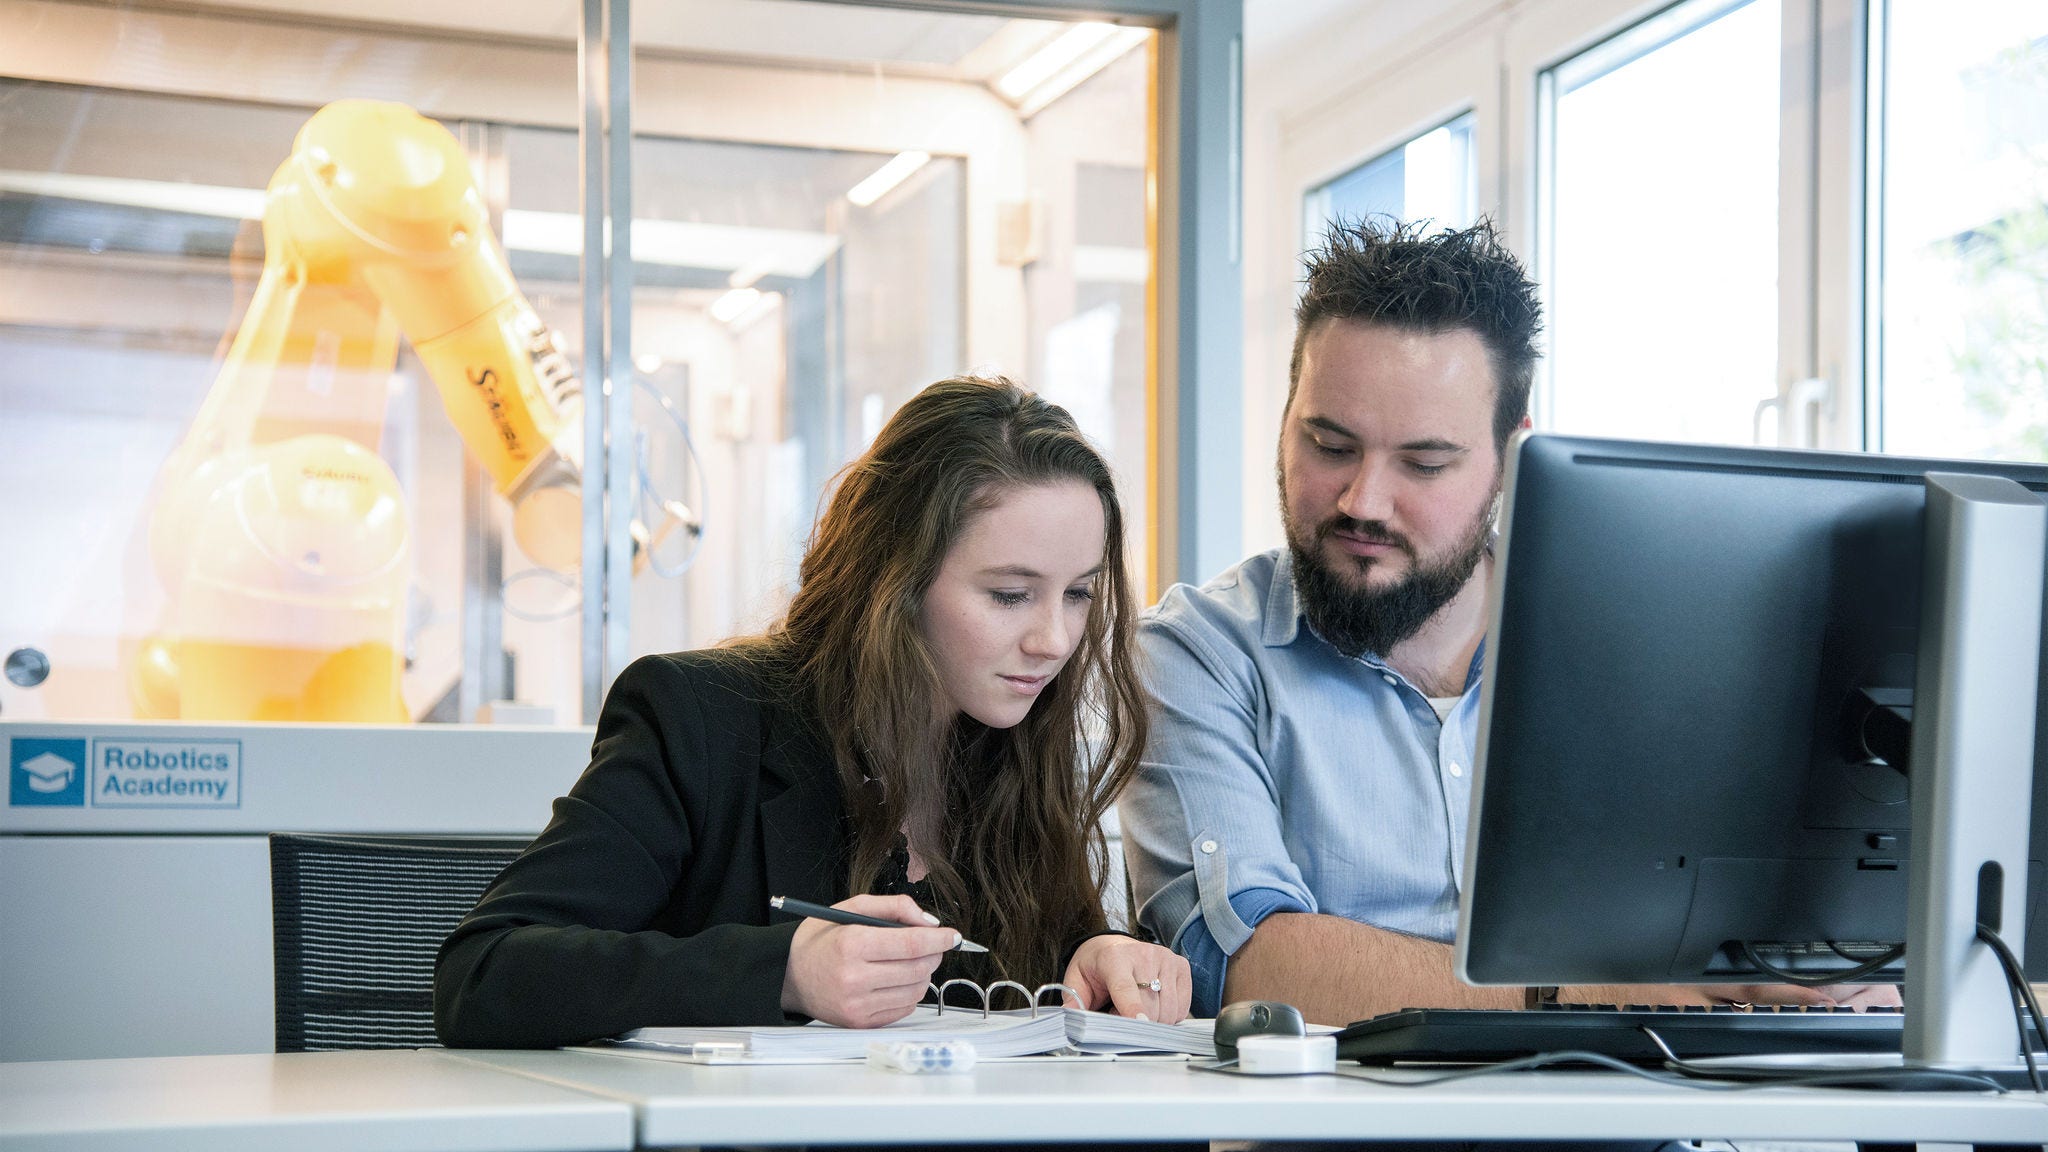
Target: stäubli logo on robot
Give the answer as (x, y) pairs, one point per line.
(165, 774)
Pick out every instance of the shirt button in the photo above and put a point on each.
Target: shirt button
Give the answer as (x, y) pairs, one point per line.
(1388, 677)
(1455, 770)
(1208, 846)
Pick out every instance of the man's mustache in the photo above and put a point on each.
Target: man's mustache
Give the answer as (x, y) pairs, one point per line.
(1370, 531)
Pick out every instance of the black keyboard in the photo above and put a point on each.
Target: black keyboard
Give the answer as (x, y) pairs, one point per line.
(1484, 1036)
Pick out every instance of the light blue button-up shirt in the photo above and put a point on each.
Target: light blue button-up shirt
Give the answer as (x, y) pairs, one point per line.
(1282, 776)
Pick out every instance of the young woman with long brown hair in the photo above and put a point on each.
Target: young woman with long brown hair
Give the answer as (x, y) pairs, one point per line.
(931, 735)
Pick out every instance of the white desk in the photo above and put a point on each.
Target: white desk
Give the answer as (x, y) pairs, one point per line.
(424, 1101)
(683, 1104)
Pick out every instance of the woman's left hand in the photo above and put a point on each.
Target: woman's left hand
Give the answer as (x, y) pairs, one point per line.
(1131, 978)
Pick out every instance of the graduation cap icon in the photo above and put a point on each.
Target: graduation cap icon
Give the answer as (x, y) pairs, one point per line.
(48, 772)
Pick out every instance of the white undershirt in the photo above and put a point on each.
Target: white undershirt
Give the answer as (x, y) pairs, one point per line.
(1443, 705)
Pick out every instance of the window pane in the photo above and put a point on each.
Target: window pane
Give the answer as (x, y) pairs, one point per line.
(1963, 297)
(1663, 249)
(1432, 177)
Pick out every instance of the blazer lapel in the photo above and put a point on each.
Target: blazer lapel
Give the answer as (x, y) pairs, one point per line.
(802, 823)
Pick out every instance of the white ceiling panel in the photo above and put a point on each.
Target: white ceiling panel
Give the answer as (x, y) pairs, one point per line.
(798, 32)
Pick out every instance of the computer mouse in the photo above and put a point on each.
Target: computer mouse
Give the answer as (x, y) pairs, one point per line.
(1255, 1018)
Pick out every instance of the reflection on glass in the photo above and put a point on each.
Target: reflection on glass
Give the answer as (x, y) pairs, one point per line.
(1086, 292)
(792, 298)
(250, 486)
(775, 324)
(1963, 300)
(1432, 177)
(1663, 253)
(816, 238)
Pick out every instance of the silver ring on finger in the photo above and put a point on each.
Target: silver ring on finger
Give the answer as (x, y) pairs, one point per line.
(1154, 985)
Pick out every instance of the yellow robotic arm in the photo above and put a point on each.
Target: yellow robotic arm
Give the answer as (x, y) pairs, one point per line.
(279, 534)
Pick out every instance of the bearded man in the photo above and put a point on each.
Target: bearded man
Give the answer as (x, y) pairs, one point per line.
(1297, 826)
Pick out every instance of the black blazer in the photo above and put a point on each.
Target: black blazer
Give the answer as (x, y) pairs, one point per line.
(645, 900)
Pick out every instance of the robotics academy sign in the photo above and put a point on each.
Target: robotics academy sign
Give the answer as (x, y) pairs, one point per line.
(105, 772)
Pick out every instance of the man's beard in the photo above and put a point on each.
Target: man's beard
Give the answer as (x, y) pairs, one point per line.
(1356, 620)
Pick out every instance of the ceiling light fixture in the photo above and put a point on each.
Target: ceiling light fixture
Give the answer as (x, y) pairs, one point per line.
(888, 176)
(1057, 53)
(1097, 53)
(733, 304)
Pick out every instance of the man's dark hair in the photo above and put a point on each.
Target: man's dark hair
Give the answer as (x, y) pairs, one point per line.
(1387, 272)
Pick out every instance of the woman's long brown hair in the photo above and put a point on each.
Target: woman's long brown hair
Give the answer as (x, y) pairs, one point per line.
(1007, 820)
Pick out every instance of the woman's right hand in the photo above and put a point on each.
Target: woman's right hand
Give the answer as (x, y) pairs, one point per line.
(856, 976)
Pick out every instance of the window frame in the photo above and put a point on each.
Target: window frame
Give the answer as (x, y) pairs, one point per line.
(1493, 63)
(1315, 201)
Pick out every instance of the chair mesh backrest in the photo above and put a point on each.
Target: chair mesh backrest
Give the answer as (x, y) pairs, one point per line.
(356, 922)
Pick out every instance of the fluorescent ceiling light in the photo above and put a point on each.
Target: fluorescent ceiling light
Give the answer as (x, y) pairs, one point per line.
(1059, 52)
(742, 306)
(1098, 56)
(161, 195)
(888, 176)
(726, 248)
(746, 254)
(728, 307)
(768, 302)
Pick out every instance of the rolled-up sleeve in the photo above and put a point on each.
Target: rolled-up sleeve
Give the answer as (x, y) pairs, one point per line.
(1201, 818)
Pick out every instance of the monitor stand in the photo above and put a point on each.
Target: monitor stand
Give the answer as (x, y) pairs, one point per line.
(1971, 771)
(1972, 766)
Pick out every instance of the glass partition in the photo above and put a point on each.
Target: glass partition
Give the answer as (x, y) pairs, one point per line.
(1087, 291)
(269, 476)
(116, 292)
(272, 388)
(775, 323)
(962, 193)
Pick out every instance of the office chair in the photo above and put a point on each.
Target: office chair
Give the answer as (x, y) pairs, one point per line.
(357, 921)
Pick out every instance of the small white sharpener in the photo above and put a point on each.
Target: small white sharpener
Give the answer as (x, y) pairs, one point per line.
(1286, 1055)
(939, 1056)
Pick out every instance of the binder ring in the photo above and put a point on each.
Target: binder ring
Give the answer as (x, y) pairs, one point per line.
(990, 994)
(1054, 987)
(971, 984)
(1037, 996)
(938, 993)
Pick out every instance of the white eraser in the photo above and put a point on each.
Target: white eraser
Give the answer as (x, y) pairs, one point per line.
(1286, 1055)
(940, 1056)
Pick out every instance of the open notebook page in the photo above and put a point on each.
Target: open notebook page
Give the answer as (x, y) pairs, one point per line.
(1014, 1033)
(1001, 1034)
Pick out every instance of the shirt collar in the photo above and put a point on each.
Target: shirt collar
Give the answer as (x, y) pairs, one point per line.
(1285, 621)
(1283, 605)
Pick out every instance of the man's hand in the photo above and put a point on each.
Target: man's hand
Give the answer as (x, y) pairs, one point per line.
(1118, 971)
(862, 977)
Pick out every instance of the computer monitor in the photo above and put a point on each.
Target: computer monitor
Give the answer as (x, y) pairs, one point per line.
(1686, 643)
